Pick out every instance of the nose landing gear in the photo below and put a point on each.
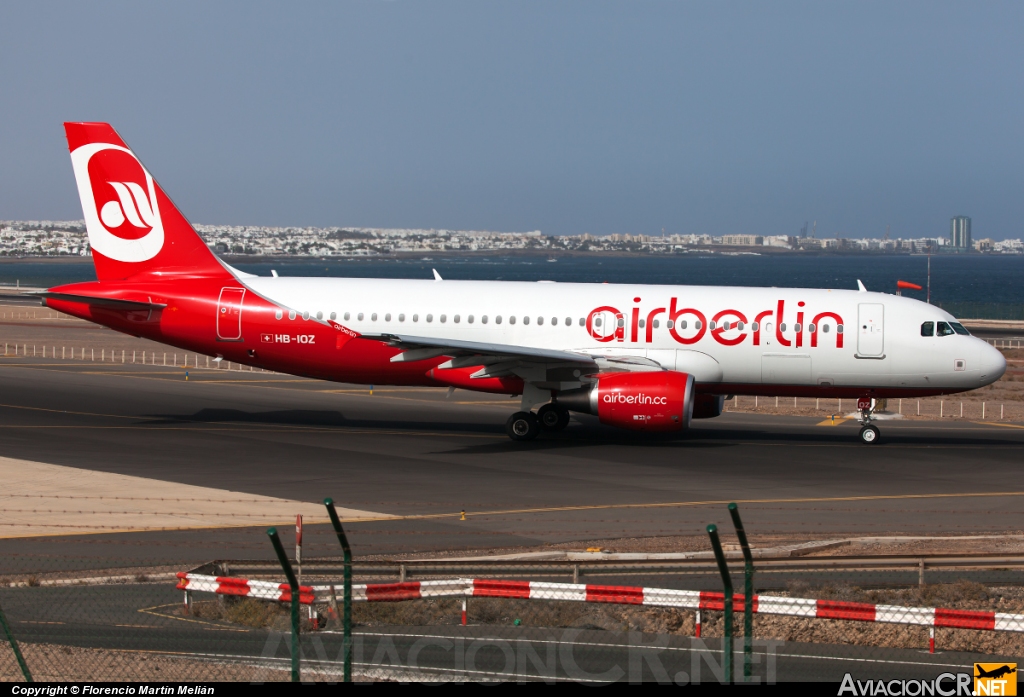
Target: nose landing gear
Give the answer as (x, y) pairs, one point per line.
(869, 433)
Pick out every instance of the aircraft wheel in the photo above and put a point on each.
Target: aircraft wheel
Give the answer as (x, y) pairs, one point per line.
(553, 417)
(869, 434)
(522, 425)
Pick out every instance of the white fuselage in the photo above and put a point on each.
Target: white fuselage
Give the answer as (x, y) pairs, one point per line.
(802, 338)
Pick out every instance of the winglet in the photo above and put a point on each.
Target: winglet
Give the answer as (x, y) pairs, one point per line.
(437, 276)
(860, 287)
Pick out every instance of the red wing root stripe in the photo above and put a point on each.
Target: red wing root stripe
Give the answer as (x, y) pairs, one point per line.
(619, 595)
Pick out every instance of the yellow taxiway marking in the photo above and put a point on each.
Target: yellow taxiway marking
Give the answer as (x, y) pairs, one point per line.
(989, 423)
(692, 504)
(834, 422)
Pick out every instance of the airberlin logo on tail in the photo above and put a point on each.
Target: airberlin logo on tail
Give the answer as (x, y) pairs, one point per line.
(119, 203)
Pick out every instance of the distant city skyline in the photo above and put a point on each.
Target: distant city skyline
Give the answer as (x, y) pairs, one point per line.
(570, 117)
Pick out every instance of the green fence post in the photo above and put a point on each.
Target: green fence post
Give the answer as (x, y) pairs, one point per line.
(748, 592)
(346, 622)
(727, 601)
(293, 583)
(14, 647)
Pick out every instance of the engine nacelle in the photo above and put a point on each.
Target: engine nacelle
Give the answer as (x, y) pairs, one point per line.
(651, 401)
(708, 406)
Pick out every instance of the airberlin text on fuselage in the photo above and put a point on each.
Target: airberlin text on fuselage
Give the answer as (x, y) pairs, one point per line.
(688, 325)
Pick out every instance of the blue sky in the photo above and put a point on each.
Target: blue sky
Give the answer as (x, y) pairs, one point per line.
(567, 117)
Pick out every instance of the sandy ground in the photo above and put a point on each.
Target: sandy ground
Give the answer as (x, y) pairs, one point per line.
(43, 499)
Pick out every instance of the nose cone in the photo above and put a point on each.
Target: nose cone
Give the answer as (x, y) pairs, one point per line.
(992, 363)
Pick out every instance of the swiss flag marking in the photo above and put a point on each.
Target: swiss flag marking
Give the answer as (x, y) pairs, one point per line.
(267, 338)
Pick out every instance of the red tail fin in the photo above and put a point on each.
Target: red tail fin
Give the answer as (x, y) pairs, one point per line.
(133, 226)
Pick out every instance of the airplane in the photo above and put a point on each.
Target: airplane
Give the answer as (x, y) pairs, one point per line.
(995, 672)
(641, 357)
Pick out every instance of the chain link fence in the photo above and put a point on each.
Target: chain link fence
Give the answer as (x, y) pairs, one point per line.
(68, 618)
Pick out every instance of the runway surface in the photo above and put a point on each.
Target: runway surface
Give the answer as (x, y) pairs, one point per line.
(412, 453)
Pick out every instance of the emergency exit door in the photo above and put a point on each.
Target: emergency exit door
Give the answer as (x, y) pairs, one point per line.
(870, 323)
(229, 314)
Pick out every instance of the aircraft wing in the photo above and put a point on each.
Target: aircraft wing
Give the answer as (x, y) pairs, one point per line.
(418, 348)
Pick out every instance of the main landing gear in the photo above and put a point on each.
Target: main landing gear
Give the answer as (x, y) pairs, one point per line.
(869, 433)
(525, 425)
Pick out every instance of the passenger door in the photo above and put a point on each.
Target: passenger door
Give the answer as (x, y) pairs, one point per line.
(870, 322)
(229, 314)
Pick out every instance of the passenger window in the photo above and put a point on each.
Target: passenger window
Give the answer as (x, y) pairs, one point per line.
(725, 326)
(374, 317)
(825, 328)
(943, 329)
(782, 327)
(682, 324)
(740, 325)
(278, 315)
(597, 321)
(526, 320)
(319, 315)
(796, 328)
(430, 318)
(401, 317)
(755, 327)
(642, 325)
(696, 325)
(444, 318)
(415, 318)
(711, 325)
(583, 322)
(387, 317)
(360, 317)
(457, 318)
(540, 320)
(960, 329)
(671, 324)
(568, 321)
(497, 320)
(928, 329)
(305, 315)
(484, 319)
(621, 322)
(554, 321)
(291, 314)
(348, 316)
(512, 319)
(811, 328)
(839, 329)
(334, 315)
(657, 323)
(470, 319)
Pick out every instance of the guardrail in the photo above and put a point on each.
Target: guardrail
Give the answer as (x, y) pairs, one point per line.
(403, 571)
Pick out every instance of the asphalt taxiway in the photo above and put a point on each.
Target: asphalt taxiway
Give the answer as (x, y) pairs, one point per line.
(413, 453)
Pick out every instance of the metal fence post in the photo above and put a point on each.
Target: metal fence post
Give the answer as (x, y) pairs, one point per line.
(14, 647)
(748, 592)
(346, 621)
(727, 601)
(293, 583)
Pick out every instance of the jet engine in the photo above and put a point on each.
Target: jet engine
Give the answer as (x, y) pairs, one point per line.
(649, 401)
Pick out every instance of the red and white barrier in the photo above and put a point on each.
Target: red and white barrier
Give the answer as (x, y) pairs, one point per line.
(620, 595)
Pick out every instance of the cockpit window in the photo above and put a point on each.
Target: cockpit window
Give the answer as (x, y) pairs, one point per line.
(944, 329)
(960, 329)
(928, 329)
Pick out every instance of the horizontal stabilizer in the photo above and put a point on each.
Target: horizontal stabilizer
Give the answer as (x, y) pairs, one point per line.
(108, 303)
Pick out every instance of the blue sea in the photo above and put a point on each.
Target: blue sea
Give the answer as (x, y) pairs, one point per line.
(967, 285)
